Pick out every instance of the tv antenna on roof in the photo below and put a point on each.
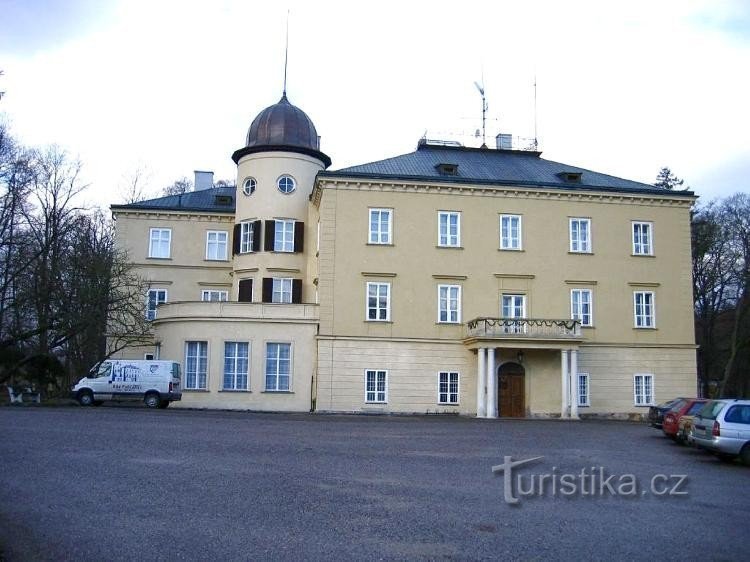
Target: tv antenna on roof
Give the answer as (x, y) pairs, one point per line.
(286, 50)
(484, 112)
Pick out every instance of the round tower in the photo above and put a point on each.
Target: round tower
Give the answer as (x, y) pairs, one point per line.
(275, 173)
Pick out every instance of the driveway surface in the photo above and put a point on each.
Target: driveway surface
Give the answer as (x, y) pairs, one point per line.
(117, 483)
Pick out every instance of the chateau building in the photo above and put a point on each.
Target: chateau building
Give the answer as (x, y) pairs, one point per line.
(480, 281)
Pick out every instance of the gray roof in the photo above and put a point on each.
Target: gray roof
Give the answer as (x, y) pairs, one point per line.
(491, 167)
(212, 200)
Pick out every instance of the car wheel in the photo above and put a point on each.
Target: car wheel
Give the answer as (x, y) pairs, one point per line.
(152, 400)
(164, 404)
(85, 398)
(745, 454)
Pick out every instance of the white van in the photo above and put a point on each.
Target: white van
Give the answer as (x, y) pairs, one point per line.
(157, 383)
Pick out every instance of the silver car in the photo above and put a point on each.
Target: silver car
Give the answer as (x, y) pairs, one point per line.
(723, 427)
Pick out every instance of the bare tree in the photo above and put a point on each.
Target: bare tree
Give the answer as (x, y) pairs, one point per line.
(134, 187)
(179, 187)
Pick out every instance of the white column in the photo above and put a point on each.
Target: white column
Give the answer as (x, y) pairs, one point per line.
(574, 384)
(564, 382)
(491, 384)
(481, 377)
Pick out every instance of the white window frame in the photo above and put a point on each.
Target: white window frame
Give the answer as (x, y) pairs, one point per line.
(579, 244)
(452, 315)
(149, 356)
(513, 329)
(276, 373)
(201, 345)
(509, 242)
(207, 295)
(641, 247)
(446, 239)
(375, 232)
(283, 239)
(640, 395)
(247, 232)
(216, 249)
(376, 396)
(448, 392)
(378, 285)
(576, 308)
(159, 239)
(151, 312)
(282, 286)
(584, 398)
(234, 359)
(647, 321)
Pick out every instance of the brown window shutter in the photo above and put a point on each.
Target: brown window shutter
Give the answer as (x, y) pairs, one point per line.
(267, 288)
(299, 236)
(256, 236)
(236, 235)
(296, 290)
(270, 236)
(246, 290)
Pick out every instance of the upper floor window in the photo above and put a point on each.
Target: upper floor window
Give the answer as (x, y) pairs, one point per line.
(580, 306)
(283, 240)
(211, 295)
(246, 237)
(155, 298)
(449, 228)
(643, 302)
(282, 290)
(510, 232)
(379, 301)
(216, 245)
(513, 307)
(643, 238)
(249, 185)
(580, 235)
(449, 303)
(380, 226)
(286, 184)
(160, 240)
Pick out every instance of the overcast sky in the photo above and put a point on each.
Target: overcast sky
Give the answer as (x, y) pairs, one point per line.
(172, 86)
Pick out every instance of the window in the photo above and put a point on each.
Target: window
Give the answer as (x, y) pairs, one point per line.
(155, 298)
(644, 309)
(249, 185)
(642, 239)
(286, 184)
(148, 356)
(580, 306)
(282, 290)
(583, 389)
(278, 366)
(376, 387)
(736, 414)
(510, 232)
(643, 390)
(211, 295)
(447, 388)
(245, 290)
(283, 236)
(247, 232)
(580, 235)
(449, 229)
(236, 360)
(379, 301)
(513, 306)
(380, 226)
(159, 242)
(196, 364)
(449, 303)
(216, 245)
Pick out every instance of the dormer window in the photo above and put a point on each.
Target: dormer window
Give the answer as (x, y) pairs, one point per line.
(570, 177)
(447, 169)
(224, 200)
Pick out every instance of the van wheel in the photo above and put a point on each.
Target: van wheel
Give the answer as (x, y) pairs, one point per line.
(85, 398)
(152, 400)
(745, 454)
(164, 404)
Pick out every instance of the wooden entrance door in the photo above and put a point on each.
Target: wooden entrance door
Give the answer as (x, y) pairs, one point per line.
(511, 391)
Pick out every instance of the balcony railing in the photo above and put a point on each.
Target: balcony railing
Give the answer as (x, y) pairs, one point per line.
(532, 328)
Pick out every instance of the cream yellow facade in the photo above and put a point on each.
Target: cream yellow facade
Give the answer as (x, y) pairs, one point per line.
(439, 291)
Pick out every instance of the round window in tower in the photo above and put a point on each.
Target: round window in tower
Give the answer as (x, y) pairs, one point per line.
(248, 186)
(286, 184)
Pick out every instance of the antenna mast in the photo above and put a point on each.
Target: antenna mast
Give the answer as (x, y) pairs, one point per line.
(536, 143)
(484, 112)
(286, 51)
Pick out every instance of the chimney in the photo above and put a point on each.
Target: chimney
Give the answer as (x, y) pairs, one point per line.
(504, 141)
(203, 180)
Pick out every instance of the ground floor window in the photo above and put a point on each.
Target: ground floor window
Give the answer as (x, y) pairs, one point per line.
(643, 390)
(196, 364)
(448, 387)
(278, 366)
(376, 385)
(583, 389)
(236, 359)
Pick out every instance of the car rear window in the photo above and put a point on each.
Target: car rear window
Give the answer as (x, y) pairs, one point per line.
(678, 405)
(711, 410)
(738, 414)
(695, 408)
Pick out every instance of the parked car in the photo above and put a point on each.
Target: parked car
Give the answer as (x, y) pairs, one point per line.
(723, 428)
(656, 413)
(683, 407)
